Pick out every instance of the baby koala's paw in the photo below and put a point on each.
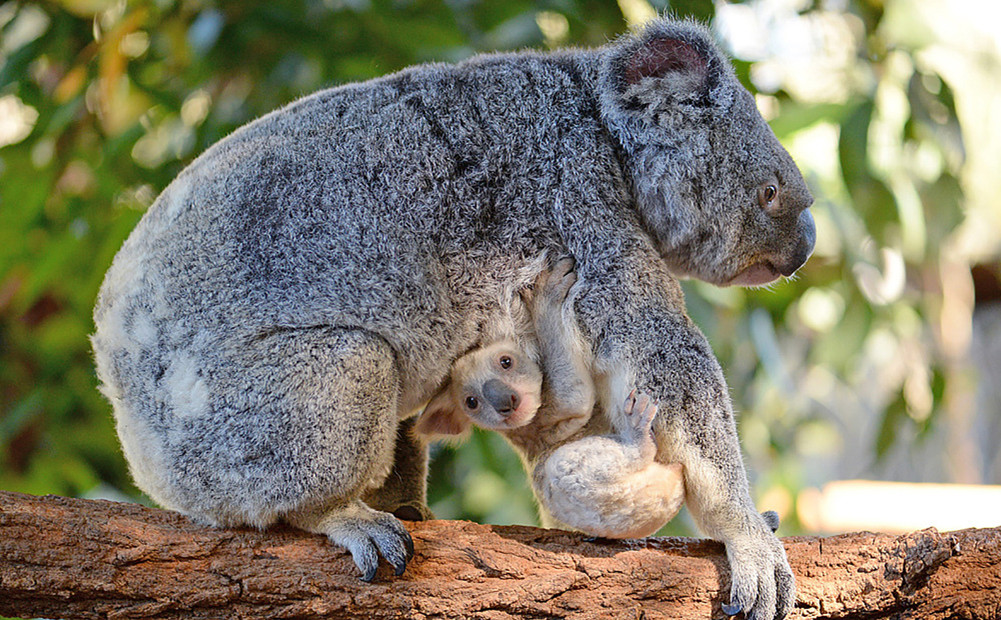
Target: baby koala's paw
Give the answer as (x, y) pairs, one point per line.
(562, 278)
(552, 285)
(638, 414)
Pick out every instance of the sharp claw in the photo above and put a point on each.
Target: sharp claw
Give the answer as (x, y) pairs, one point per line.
(732, 609)
(369, 574)
(399, 568)
(408, 542)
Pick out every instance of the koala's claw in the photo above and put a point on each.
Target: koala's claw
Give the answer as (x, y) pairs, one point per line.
(392, 541)
(564, 270)
(732, 609)
(565, 265)
(552, 285)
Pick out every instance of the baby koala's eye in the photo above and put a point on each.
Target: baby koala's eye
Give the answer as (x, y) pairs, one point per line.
(472, 403)
(505, 362)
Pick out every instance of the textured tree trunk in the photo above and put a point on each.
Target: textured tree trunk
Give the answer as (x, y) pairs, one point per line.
(70, 558)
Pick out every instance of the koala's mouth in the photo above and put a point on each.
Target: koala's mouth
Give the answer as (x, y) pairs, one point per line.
(519, 417)
(523, 413)
(758, 274)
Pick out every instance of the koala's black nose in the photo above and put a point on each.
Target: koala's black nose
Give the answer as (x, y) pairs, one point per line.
(808, 235)
(500, 396)
(806, 232)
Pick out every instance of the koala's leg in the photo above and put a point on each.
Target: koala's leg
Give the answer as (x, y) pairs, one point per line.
(326, 417)
(566, 354)
(610, 485)
(404, 492)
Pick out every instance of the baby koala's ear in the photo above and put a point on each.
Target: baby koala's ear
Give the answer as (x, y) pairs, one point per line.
(441, 417)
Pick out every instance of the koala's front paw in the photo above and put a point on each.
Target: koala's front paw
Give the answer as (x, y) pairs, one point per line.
(552, 285)
(640, 410)
(563, 277)
(762, 584)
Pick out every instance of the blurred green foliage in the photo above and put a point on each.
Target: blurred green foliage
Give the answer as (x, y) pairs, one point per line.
(102, 102)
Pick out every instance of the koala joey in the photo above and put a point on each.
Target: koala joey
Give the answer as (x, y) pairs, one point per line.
(605, 485)
(279, 315)
(497, 387)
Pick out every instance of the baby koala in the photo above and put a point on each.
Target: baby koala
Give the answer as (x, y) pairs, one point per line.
(539, 393)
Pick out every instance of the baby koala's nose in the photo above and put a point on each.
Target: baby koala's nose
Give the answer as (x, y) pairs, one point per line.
(500, 396)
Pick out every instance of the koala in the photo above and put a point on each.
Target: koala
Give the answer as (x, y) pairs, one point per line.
(604, 485)
(296, 294)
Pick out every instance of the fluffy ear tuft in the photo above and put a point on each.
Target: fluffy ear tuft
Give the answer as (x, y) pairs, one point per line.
(668, 68)
(441, 417)
(662, 56)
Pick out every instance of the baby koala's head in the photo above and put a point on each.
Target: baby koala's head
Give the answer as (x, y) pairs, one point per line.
(498, 387)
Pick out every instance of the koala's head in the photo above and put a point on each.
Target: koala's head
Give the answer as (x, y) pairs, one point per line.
(497, 387)
(720, 196)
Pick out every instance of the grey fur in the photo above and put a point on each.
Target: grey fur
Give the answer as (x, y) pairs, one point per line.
(306, 283)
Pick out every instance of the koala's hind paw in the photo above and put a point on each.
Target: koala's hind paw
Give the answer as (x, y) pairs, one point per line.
(640, 410)
(762, 584)
(365, 532)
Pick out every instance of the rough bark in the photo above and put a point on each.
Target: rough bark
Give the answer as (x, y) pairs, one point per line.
(73, 558)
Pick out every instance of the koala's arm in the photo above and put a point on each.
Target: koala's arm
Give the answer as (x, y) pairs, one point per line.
(566, 357)
(634, 312)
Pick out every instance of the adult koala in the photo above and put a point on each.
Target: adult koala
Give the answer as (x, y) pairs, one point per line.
(296, 295)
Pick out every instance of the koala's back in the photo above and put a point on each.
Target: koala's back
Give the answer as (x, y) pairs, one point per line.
(283, 222)
(357, 205)
(407, 207)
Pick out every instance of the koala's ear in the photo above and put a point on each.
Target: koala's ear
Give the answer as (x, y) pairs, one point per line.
(661, 57)
(441, 418)
(665, 65)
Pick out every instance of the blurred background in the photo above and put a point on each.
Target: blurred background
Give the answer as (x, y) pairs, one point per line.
(879, 361)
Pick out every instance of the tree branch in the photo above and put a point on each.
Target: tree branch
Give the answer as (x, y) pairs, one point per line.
(72, 558)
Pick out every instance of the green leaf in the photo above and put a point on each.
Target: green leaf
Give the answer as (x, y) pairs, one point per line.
(893, 416)
(797, 116)
(872, 199)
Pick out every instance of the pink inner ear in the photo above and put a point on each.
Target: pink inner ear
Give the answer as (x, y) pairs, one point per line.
(661, 56)
(440, 420)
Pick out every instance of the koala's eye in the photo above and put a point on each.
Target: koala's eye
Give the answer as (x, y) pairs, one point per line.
(505, 362)
(472, 403)
(770, 192)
